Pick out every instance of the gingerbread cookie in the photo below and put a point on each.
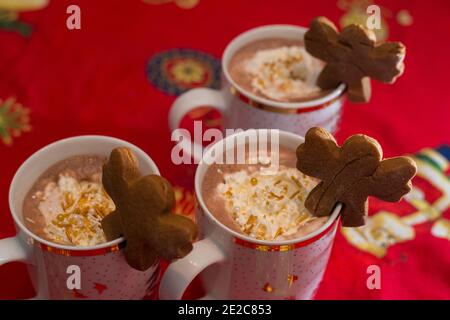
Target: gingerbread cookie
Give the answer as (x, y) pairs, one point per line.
(143, 213)
(351, 173)
(353, 57)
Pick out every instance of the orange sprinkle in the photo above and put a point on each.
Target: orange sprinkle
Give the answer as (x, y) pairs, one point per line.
(276, 196)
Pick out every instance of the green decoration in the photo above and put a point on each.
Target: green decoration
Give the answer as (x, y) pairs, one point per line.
(14, 120)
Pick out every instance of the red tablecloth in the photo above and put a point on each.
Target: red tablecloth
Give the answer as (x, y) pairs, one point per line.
(95, 81)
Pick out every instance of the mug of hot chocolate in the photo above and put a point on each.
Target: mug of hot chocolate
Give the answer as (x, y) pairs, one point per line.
(247, 251)
(58, 204)
(269, 204)
(269, 82)
(292, 78)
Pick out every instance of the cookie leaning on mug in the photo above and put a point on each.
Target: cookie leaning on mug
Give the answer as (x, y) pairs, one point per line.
(351, 173)
(353, 57)
(142, 216)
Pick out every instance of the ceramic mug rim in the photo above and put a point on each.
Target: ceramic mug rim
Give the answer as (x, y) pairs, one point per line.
(199, 197)
(48, 148)
(246, 37)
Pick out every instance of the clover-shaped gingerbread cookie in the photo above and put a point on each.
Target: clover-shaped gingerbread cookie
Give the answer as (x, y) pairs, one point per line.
(142, 214)
(351, 173)
(353, 57)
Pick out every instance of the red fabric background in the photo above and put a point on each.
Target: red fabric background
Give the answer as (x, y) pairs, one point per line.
(93, 81)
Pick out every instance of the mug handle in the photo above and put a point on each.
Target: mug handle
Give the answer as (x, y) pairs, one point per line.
(180, 273)
(189, 101)
(14, 250)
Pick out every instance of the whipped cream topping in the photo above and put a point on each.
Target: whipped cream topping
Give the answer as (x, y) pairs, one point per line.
(284, 73)
(73, 211)
(267, 207)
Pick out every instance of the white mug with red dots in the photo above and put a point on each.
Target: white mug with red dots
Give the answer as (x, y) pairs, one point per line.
(242, 109)
(102, 269)
(234, 266)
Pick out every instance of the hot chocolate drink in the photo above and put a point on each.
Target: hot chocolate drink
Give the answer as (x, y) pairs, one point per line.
(263, 206)
(67, 203)
(277, 69)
